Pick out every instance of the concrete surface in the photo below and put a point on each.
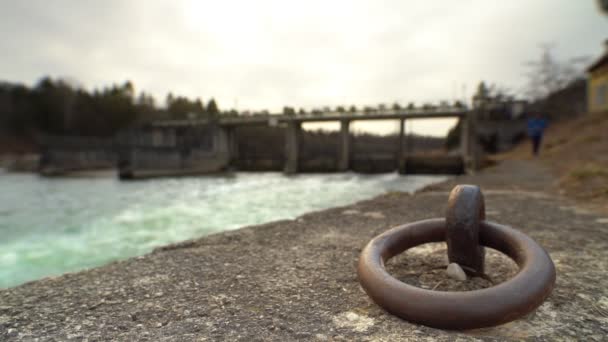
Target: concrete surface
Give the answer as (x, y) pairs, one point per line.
(296, 279)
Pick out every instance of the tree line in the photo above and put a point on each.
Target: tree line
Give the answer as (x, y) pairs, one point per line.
(58, 107)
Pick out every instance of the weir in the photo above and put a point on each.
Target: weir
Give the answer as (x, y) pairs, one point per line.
(183, 147)
(467, 161)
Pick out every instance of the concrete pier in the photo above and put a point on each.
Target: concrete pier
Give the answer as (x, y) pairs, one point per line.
(464, 141)
(233, 147)
(344, 158)
(292, 146)
(400, 146)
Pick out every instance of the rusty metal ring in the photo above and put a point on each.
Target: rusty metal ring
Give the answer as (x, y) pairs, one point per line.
(450, 309)
(466, 210)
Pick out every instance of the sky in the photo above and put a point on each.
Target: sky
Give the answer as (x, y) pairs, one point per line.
(265, 54)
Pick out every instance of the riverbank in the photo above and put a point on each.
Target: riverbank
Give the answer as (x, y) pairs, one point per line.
(575, 152)
(296, 279)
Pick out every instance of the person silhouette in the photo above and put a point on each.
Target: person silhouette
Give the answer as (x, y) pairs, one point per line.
(536, 127)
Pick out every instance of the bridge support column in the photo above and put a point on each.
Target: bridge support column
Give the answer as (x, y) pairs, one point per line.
(292, 142)
(233, 146)
(468, 141)
(464, 139)
(400, 160)
(344, 158)
(474, 142)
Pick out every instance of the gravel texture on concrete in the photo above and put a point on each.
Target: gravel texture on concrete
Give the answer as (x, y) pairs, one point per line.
(296, 279)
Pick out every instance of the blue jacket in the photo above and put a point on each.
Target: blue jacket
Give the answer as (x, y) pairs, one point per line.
(536, 126)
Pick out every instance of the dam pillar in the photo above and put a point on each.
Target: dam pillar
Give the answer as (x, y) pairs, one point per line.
(233, 147)
(344, 157)
(468, 141)
(292, 145)
(401, 138)
(474, 141)
(464, 138)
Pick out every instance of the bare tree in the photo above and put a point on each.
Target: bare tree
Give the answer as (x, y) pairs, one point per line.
(496, 92)
(548, 74)
(289, 111)
(603, 5)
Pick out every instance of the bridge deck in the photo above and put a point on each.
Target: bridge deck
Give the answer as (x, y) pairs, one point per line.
(279, 118)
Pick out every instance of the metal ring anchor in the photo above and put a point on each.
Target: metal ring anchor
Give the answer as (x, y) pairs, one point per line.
(450, 309)
(466, 210)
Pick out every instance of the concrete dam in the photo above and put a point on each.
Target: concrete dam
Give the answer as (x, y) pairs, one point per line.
(189, 147)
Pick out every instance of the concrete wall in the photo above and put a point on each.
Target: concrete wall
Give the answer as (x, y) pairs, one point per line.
(500, 135)
(439, 165)
(373, 163)
(321, 164)
(62, 155)
(171, 152)
(259, 164)
(81, 159)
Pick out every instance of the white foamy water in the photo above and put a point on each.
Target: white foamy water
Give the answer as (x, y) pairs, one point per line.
(53, 226)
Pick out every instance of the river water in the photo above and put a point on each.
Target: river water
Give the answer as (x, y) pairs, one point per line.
(52, 226)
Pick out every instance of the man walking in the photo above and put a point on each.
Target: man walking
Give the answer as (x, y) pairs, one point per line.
(536, 128)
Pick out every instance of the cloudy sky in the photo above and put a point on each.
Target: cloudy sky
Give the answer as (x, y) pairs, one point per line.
(266, 54)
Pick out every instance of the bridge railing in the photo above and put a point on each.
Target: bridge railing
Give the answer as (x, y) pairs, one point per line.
(325, 116)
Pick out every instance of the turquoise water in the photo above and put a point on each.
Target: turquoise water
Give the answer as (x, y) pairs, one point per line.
(53, 226)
